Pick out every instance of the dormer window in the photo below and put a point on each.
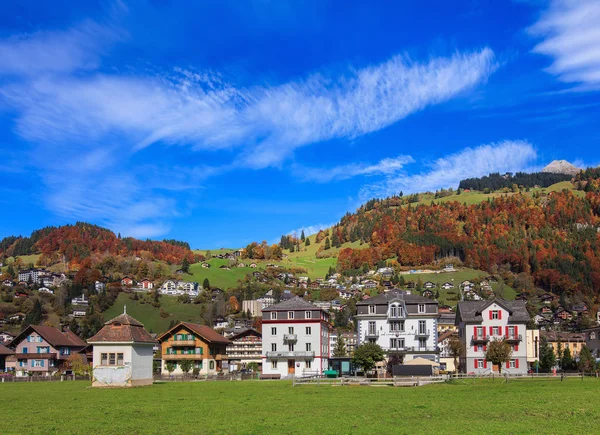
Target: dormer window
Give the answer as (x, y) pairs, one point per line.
(274, 315)
(421, 308)
(371, 309)
(290, 314)
(117, 324)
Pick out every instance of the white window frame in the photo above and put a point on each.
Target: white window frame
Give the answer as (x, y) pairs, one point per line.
(480, 363)
(290, 329)
(307, 363)
(290, 315)
(273, 315)
(393, 343)
(273, 331)
(371, 309)
(495, 315)
(512, 364)
(421, 308)
(373, 330)
(308, 347)
(274, 364)
(480, 331)
(273, 347)
(308, 330)
(308, 315)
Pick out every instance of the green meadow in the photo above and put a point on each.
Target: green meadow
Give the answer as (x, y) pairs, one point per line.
(276, 407)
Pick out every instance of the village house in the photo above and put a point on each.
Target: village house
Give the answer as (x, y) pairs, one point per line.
(205, 347)
(563, 314)
(547, 298)
(80, 300)
(446, 358)
(43, 350)
(46, 290)
(447, 285)
(400, 322)
(5, 352)
(295, 338)
(220, 322)
(345, 294)
(122, 353)
(206, 265)
(31, 275)
(369, 284)
(481, 321)
(429, 285)
(533, 346)
(99, 286)
(592, 341)
(7, 283)
(253, 265)
(127, 281)
(145, 284)
(245, 348)
(6, 337)
(254, 307)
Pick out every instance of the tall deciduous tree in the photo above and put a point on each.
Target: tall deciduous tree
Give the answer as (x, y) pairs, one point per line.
(457, 348)
(186, 366)
(498, 351)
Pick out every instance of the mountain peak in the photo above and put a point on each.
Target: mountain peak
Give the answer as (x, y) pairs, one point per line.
(561, 167)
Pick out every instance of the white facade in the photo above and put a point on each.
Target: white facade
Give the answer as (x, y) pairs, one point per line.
(295, 339)
(481, 322)
(132, 364)
(400, 323)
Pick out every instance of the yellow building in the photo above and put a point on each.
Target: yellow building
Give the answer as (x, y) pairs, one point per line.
(574, 341)
(200, 344)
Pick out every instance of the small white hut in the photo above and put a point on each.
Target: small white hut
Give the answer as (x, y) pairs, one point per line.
(122, 355)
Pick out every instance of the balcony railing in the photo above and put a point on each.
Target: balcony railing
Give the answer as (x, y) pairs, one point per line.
(372, 334)
(514, 337)
(288, 338)
(480, 338)
(181, 356)
(423, 333)
(291, 354)
(415, 349)
(183, 343)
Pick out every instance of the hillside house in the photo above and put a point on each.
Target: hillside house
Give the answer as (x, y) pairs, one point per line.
(479, 322)
(32, 275)
(127, 281)
(447, 285)
(6, 337)
(7, 283)
(253, 265)
(80, 300)
(574, 341)
(369, 284)
(99, 286)
(547, 298)
(145, 284)
(46, 290)
(122, 353)
(446, 358)
(563, 315)
(429, 285)
(5, 352)
(205, 347)
(220, 322)
(427, 294)
(206, 265)
(43, 350)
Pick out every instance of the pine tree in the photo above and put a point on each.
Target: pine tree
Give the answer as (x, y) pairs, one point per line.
(185, 265)
(35, 316)
(206, 284)
(307, 242)
(302, 237)
(327, 244)
(340, 347)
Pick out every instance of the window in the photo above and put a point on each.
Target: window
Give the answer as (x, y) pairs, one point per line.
(393, 311)
(422, 327)
(104, 359)
(274, 315)
(307, 314)
(273, 364)
(371, 309)
(291, 347)
(211, 365)
(273, 331)
(308, 347)
(592, 335)
(480, 331)
(512, 364)
(397, 326)
(511, 331)
(291, 330)
(393, 343)
(422, 343)
(495, 315)
(480, 364)
(43, 349)
(308, 330)
(497, 330)
(290, 314)
(112, 359)
(65, 351)
(372, 328)
(198, 364)
(25, 350)
(307, 364)
(119, 359)
(421, 308)
(401, 343)
(37, 363)
(274, 347)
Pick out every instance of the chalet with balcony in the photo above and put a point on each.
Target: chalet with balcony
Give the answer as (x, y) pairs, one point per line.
(44, 350)
(400, 323)
(479, 322)
(245, 348)
(205, 347)
(295, 338)
(127, 281)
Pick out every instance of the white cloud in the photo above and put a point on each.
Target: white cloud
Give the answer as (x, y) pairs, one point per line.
(386, 166)
(445, 172)
(571, 36)
(309, 230)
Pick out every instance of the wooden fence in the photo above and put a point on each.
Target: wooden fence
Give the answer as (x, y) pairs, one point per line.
(55, 378)
(396, 381)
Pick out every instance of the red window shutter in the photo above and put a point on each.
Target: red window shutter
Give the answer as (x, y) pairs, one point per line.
(491, 331)
(499, 314)
(484, 348)
(516, 331)
(475, 363)
(516, 347)
(485, 364)
(517, 363)
(474, 331)
(507, 331)
(483, 329)
(490, 314)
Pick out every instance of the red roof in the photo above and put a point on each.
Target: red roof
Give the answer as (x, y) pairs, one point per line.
(203, 331)
(5, 350)
(124, 329)
(52, 335)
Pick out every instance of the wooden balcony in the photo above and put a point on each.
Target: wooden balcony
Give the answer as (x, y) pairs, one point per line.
(176, 343)
(177, 357)
(515, 338)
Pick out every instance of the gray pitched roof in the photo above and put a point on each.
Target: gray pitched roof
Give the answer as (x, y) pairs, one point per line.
(295, 303)
(470, 311)
(395, 294)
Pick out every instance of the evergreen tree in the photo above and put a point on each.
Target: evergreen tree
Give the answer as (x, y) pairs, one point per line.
(302, 237)
(587, 363)
(339, 349)
(327, 244)
(206, 284)
(567, 360)
(307, 242)
(35, 316)
(11, 271)
(547, 356)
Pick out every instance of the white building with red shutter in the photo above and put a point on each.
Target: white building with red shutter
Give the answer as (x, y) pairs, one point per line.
(295, 338)
(479, 322)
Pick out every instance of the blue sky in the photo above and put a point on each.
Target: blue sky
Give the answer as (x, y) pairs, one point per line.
(222, 123)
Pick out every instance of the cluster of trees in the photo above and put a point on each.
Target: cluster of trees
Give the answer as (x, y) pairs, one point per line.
(75, 243)
(496, 181)
(550, 238)
(262, 251)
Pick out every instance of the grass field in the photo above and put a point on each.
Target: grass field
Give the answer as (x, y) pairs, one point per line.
(150, 316)
(275, 407)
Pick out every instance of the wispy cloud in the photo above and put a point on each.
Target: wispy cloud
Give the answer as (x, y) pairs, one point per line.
(445, 172)
(571, 36)
(309, 230)
(343, 172)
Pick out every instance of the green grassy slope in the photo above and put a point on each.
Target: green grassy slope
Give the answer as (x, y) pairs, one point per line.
(276, 407)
